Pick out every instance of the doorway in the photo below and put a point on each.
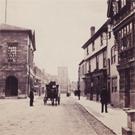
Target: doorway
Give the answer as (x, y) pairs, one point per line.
(11, 88)
(127, 87)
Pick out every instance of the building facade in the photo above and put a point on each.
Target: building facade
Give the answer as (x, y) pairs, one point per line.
(40, 80)
(112, 72)
(17, 46)
(95, 62)
(122, 14)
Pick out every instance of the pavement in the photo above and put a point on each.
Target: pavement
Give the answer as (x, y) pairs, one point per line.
(115, 119)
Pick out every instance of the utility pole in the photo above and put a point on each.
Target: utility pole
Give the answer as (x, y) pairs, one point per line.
(5, 11)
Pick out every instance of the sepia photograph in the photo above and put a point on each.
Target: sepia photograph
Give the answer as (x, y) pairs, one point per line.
(67, 67)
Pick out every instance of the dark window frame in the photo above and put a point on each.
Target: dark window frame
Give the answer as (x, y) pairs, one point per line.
(114, 84)
(104, 58)
(12, 52)
(87, 51)
(97, 62)
(113, 55)
(93, 46)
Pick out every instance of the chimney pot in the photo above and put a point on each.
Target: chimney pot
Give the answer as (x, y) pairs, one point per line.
(92, 30)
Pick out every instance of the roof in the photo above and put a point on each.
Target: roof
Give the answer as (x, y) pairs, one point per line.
(81, 62)
(102, 29)
(11, 28)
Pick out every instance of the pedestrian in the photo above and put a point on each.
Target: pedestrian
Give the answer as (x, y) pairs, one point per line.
(31, 96)
(79, 93)
(104, 99)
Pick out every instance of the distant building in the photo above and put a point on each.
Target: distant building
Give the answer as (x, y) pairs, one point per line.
(40, 80)
(17, 46)
(73, 86)
(63, 79)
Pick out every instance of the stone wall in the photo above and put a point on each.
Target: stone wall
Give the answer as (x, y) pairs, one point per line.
(19, 68)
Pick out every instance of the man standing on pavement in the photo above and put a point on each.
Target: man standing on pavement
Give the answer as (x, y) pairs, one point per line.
(31, 96)
(104, 99)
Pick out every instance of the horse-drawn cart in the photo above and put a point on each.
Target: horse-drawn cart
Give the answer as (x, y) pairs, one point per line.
(52, 93)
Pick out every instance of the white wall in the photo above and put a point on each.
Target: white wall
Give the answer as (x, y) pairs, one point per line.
(101, 61)
(98, 47)
(93, 64)
(113, 72)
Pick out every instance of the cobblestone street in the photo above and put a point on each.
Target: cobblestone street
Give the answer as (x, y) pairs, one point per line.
(18, 118)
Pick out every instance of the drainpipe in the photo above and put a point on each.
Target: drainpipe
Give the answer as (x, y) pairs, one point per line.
(28, 70)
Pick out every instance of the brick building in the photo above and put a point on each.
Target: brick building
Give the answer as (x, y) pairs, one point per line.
(17, 46)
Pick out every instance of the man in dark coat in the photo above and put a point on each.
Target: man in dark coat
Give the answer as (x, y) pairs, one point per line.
(104, 99)
(31, 96)
(79, 93)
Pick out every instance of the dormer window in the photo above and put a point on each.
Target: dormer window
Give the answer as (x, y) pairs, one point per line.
(133, 4)
(123, 3)
(115, 7)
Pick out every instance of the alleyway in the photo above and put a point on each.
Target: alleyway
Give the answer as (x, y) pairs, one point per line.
(70, 118)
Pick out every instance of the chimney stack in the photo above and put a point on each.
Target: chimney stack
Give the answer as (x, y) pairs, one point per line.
(92, 30)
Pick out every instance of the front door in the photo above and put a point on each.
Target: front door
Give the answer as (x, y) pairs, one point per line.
(11, 88)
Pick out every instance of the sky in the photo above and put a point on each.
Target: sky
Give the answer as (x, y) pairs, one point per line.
(61, 27)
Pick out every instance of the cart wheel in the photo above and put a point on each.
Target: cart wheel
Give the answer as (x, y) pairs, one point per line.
(52, 101)
(58, 100)
(45, 101)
